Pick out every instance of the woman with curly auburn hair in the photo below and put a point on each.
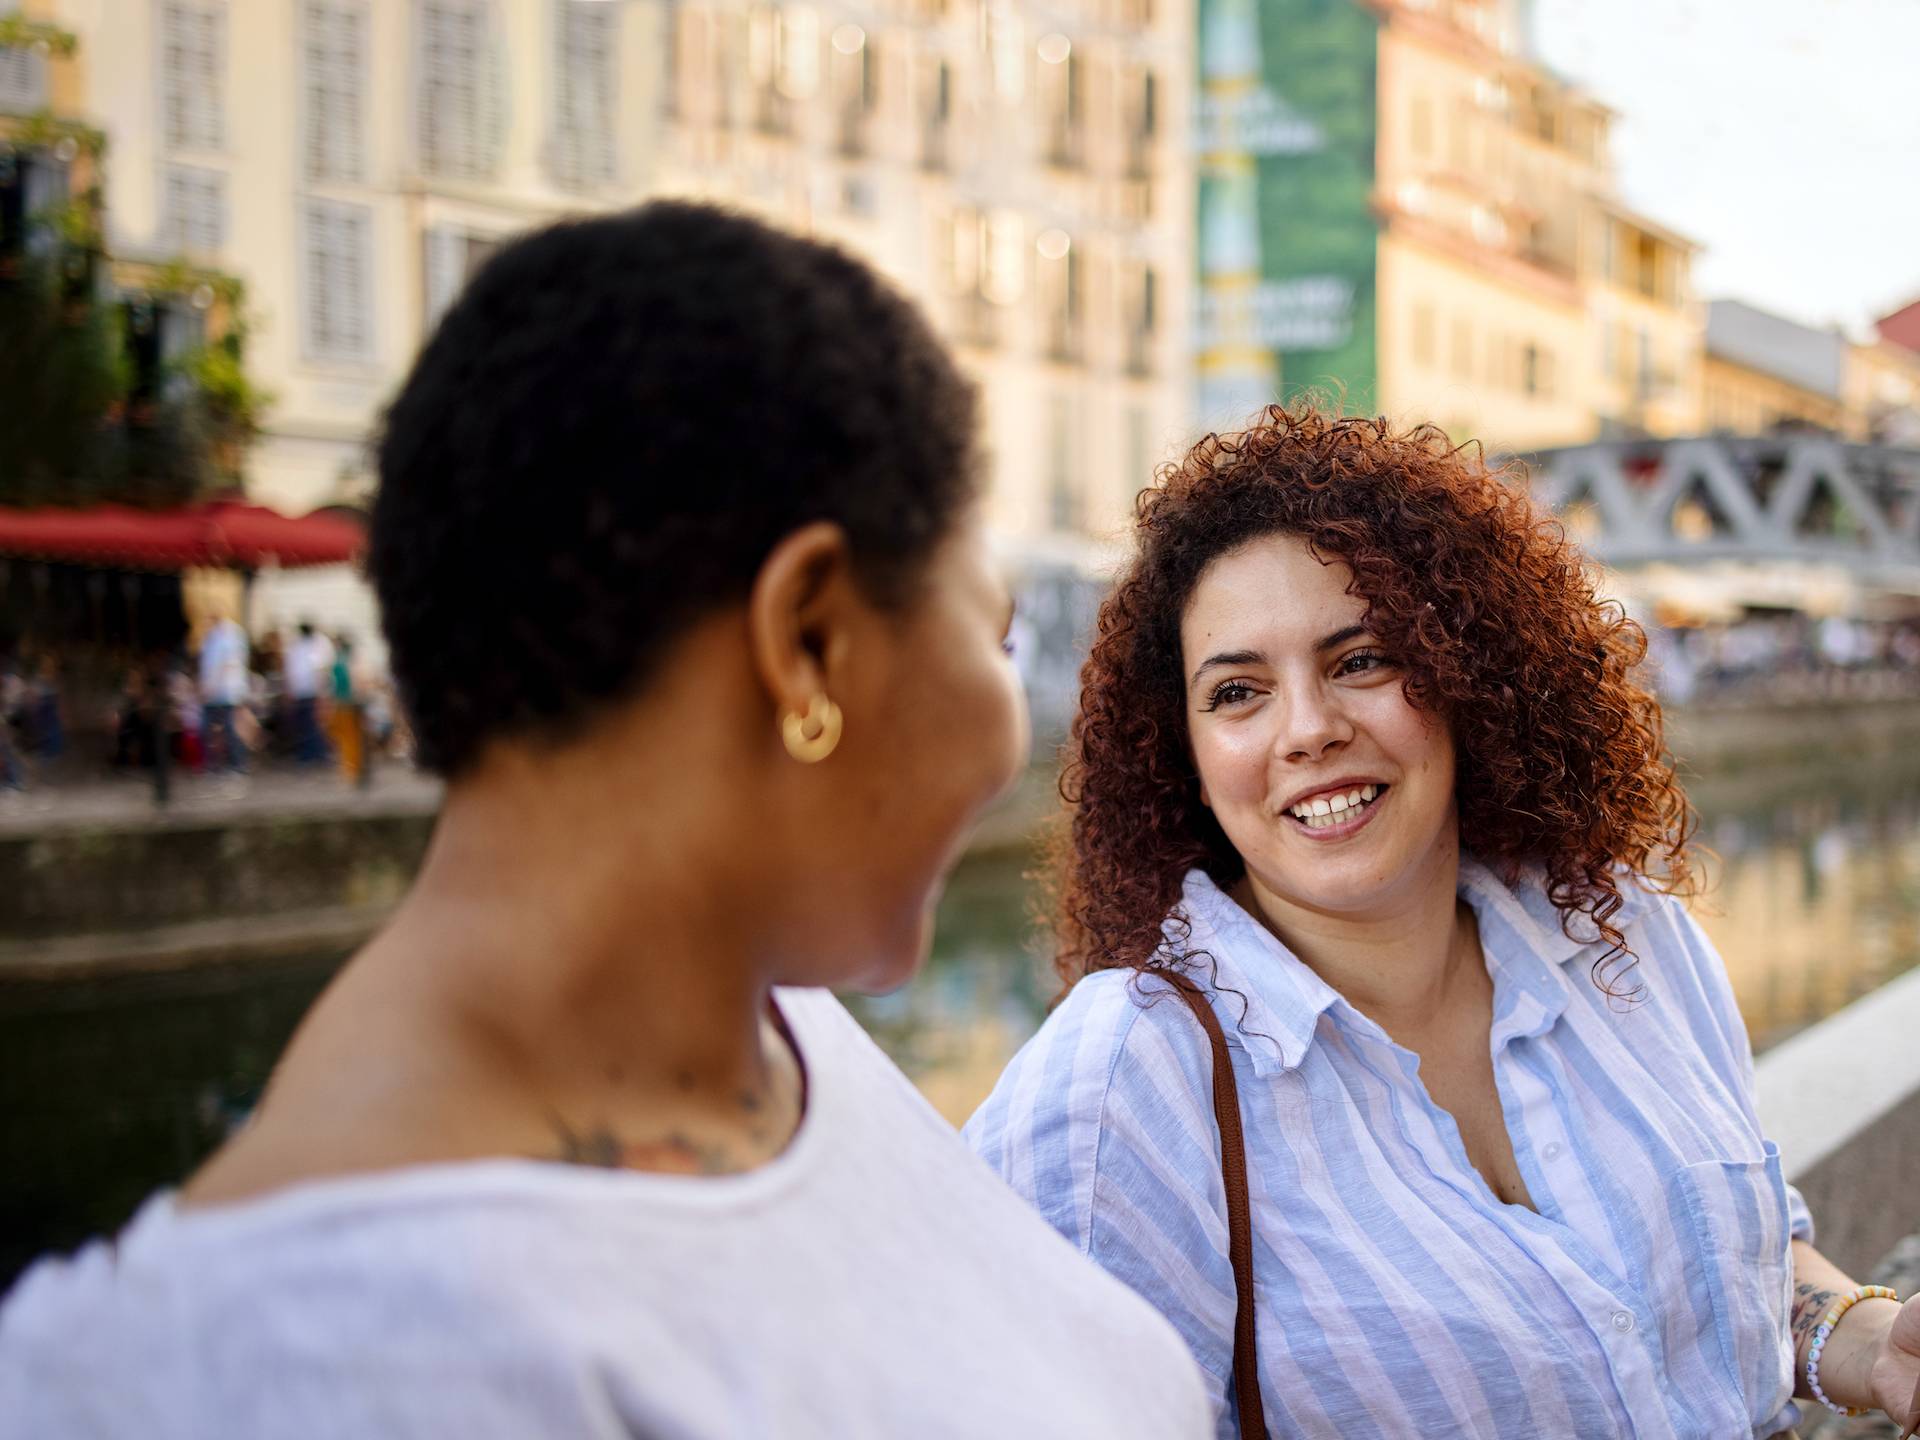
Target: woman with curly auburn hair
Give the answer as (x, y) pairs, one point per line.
(1391, 1068)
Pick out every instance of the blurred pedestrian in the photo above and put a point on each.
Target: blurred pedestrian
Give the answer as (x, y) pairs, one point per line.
(133, 718)
(46, 719)
(304, 676)
(13, 772)
(185, 719)
(581, 1144)
(343, 710)
(224, 653)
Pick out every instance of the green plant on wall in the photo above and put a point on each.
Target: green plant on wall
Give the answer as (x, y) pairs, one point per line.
(19, 33)
(62, 378)
(44, 130)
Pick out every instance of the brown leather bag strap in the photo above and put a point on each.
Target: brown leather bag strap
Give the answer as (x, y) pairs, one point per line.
(1233, 1175)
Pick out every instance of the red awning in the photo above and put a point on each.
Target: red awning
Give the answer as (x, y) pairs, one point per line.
(227, 533)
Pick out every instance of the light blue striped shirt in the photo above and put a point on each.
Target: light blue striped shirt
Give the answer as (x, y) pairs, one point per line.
(1396, 1294)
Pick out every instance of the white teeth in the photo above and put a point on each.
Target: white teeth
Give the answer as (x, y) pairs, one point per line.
(1318, 814)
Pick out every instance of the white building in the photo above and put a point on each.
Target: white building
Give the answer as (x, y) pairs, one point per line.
(1020, 169)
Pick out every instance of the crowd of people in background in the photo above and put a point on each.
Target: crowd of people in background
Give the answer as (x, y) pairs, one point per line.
(309, 699)
(1785, 658)
(305, 699)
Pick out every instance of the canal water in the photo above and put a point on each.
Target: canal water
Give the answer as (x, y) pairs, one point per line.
(109, 1088)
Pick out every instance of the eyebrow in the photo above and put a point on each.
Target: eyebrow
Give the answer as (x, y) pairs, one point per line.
(1258, 657)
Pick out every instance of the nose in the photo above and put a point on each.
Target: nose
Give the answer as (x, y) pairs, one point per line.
(1312, 723)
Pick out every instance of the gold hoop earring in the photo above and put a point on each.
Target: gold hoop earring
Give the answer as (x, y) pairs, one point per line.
(811, 738)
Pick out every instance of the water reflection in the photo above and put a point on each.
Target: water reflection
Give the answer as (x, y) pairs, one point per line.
(110, 1088)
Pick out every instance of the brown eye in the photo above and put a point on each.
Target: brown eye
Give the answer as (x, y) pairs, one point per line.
(1362, 661)
(1231, 693)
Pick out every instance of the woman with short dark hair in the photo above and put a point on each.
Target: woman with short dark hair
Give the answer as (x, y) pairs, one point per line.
(1363, 781)
(682, 573)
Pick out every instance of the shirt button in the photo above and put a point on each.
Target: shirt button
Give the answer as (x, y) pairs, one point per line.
(1622, 1321)
(1552, 1152)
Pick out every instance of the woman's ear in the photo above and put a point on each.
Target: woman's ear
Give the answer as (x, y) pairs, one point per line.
(800, 615)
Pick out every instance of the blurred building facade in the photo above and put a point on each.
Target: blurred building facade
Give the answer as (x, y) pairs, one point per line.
(1021, 170)
(1491, 279)
(1764, 372)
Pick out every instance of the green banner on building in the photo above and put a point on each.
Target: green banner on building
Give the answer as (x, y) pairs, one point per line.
(1286, 129)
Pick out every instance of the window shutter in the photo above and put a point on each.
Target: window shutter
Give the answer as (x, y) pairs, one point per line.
(586, 92)
(459, 116)
(196, 210)
(23, 79)
(193, 59)
(446, 271)
(338, 281)
(335, 59)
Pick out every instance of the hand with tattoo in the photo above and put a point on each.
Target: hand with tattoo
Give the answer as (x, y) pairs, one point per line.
(1892, 1375)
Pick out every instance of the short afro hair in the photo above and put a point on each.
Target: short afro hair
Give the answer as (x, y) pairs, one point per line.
(609, 432)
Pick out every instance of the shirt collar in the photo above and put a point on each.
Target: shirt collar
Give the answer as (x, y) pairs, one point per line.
(1528, 954)
(1283, 998)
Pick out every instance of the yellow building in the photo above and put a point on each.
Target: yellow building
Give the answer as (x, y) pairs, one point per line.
(1648, 374)
(1763, 372)
(1881, 388)
(1519, 301)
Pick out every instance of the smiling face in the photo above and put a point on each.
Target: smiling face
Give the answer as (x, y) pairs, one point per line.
(1333, 788)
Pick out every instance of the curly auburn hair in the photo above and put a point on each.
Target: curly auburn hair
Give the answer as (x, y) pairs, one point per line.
(1559, 753)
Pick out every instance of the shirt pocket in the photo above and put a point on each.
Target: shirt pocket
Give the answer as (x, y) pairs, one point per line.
(1739, 1271)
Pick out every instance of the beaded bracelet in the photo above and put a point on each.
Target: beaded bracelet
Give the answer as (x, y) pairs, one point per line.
(1825, 1328)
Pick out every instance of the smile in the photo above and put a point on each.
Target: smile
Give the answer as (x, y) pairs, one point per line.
(1337, 814)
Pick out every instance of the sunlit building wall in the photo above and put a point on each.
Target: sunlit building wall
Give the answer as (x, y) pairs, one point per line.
(1023, 169)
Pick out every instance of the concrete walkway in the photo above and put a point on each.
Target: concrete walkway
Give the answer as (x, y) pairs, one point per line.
(126, 801)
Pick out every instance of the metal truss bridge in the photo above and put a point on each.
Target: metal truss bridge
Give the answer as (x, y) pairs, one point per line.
(1792, 498)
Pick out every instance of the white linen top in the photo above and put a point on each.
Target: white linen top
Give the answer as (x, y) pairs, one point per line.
(875, 1280)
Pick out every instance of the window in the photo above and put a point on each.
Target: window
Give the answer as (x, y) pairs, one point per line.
(1425, 348)
(1061, 85)
(1142, 300)
(1462, 348)
(1420, 127)
(193, 64)
(853, 76)
(1062, 447)
(453, 258)
(1004, 37)
(333, 59)
(1646, 265)
(455, 118)
(1140, 120)
(23, 79)
(586, 92)
(936, 113)
(196, 210)
(797, 52)
(1138, 473)
(1058, 283)
(337, 280)
(783, 63)
(1530, 370)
